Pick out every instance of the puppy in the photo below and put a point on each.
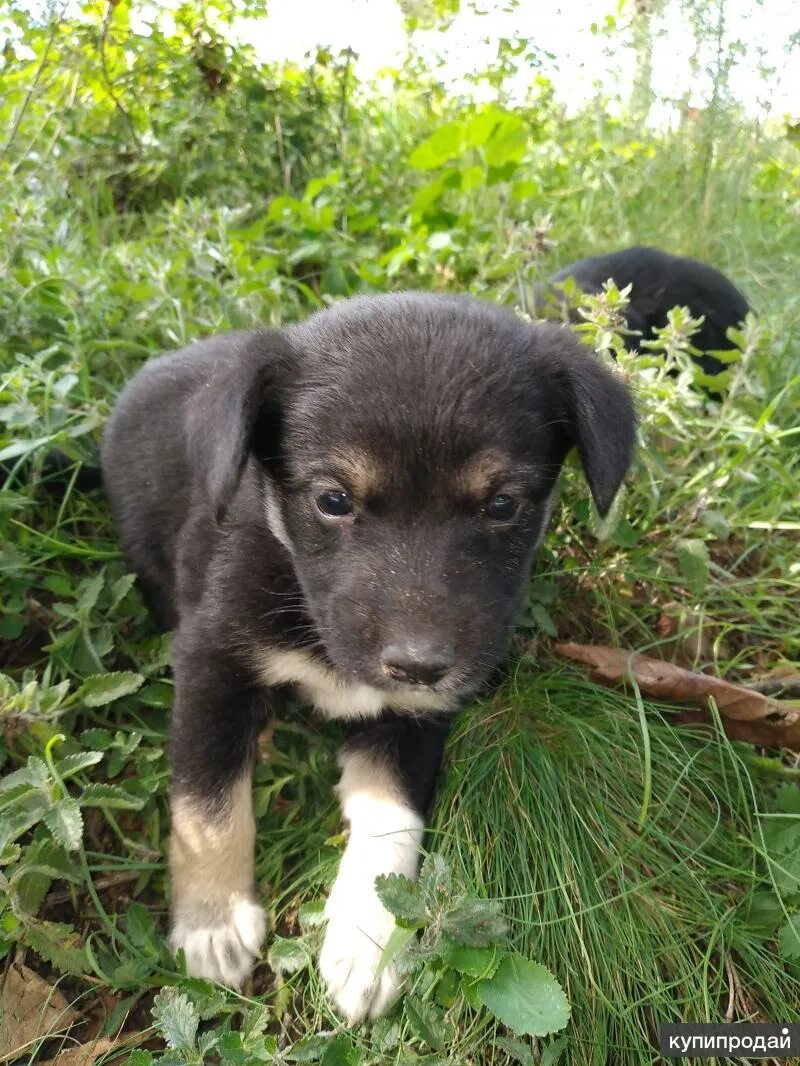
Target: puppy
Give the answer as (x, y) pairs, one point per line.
(660, 282)
(348, 507)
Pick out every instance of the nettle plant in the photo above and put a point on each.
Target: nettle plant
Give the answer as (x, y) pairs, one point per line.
(456, 944)
(453, 948)
(774, 909)
(42, 807)
(665, 365)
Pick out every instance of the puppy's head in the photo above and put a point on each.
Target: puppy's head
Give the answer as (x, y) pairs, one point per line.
(409, 461)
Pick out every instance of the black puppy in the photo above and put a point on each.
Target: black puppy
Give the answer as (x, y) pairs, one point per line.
(660, 282)
(349, 507)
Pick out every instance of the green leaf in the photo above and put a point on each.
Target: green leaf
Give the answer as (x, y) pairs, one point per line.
(516, 1049)
(765, 913)
(551, 1055)
(140, 1058)
(33, 773)
(255, 1021)
(176, 1018)
(781, 835)
(59, 944)
(341, 1052)
(444, 144)
(415, 956)
(790, 938)
(542, 619)
(120, 589)
(236, 1049)
(24, 447)
(786, 871)
(42, 862)
(311, 915)
(90, 591)
(10, 854)
(97, 738)
(398, 940)
(156, 694)
(625, 535)
(788, 801)
(73, 764)
(21, 814)
(476, 922)
(309, 1049)
(479, 128)
(693, 561)
(469, 990)
(428, 1022)
(436, 885)
(508, 142)
(717, 523)
(477, 962)
(400, 896)
(65, 822)
(525, 997)
(525, 190)
(385, 1035)
(100, 689)
(288, 956)
(447, 989)
(47, 856)
(100, 794)
(140, 926)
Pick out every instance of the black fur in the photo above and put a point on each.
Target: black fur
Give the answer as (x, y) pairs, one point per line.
(660, 282)
(203, 441)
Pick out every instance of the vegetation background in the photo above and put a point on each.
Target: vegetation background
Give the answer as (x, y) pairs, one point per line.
(160, 184)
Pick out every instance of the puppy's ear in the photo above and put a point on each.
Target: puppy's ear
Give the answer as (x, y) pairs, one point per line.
(599, 412)
(237, 411)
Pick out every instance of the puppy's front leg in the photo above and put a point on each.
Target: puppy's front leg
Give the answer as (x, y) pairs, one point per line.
(216, 918)
(388, 774)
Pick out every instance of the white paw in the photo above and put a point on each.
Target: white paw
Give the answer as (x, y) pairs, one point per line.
(220, 944)
(358, 930)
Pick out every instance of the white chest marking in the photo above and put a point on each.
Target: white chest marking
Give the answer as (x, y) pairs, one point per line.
(335, 695)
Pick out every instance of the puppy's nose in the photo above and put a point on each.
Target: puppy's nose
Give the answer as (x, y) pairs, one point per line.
(417, 662)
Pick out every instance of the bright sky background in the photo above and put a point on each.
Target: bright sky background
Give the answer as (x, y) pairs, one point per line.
(374, 29)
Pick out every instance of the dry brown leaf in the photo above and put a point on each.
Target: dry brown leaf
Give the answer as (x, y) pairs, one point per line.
(31, 1009)
(81, 1054)
(747, 715)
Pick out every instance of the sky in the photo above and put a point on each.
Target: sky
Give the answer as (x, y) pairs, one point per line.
(374, 29)
(582, 61)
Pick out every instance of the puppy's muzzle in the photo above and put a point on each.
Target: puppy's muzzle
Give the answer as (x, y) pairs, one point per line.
(416, 662)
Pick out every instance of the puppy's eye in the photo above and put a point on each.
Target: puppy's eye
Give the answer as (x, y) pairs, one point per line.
(501, 508)
(334, 503)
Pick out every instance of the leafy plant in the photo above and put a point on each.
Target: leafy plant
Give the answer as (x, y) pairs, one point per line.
(38, 804)
(775, 909)
(462, 947)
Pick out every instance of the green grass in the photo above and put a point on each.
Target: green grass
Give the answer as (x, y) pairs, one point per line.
(630, 873)
(651, 867)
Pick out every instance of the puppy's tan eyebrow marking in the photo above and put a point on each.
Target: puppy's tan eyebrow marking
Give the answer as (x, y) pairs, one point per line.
(361, 473)
(482, 472)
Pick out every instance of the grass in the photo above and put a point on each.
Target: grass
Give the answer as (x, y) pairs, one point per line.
(643, 919)
(650, 866)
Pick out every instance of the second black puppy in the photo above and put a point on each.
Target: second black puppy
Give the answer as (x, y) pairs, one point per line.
(348, 507)
(660, 281)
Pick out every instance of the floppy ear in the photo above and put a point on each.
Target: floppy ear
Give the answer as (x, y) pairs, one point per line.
(237, 410)
(598, 409)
